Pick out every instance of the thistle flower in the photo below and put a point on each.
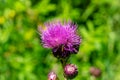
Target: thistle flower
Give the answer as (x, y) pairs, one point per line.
(52, 76)
(70, 71)
(95, 71)
(62, 38)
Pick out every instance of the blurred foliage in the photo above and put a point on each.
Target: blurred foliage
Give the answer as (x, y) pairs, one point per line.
(22, 57)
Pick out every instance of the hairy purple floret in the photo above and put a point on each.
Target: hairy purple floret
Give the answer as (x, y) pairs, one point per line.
(70, 71)
(52, 76)
(62, 38)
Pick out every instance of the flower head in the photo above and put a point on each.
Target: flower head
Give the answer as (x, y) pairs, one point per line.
(52, 76)
(70, 71)
(95, 71)
(62, 38)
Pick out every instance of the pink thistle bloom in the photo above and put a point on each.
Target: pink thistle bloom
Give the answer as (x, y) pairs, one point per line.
(52, 76)
(62, 38)
(70, 71)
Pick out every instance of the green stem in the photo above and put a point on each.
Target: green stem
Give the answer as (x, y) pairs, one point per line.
(67, 79)
(64, 62)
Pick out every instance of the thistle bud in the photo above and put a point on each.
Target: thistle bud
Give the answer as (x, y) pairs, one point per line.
(70, 71)
(95, 71)
(52, 76)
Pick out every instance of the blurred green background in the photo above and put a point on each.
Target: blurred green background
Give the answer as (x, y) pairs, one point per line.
(22, 56)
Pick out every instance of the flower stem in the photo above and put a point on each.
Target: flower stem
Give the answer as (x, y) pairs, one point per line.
(67, 79)
(64, 62)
